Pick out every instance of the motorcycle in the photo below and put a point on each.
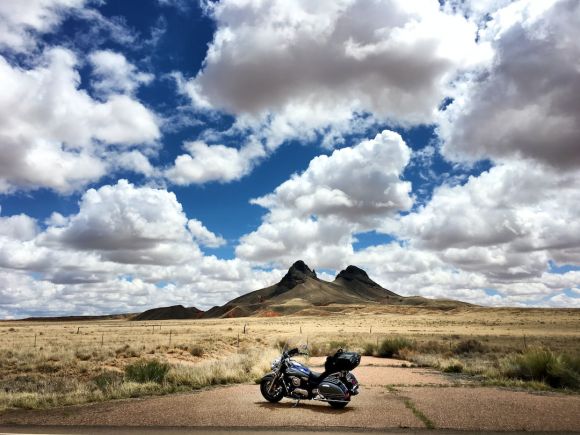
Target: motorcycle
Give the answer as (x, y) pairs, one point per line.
(288, 378)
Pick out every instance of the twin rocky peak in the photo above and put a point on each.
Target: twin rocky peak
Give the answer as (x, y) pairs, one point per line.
(300, 272)
(300, 291)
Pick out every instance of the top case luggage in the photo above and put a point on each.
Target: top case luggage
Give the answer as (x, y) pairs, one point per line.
(342, 361)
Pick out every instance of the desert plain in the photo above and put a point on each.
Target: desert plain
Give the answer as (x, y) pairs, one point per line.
(61, 372)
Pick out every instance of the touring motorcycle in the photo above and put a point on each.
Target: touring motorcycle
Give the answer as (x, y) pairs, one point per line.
(288, 378)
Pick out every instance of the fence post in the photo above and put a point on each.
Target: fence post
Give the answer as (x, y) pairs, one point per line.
(102, 339)
(238, 339)
(244, 328)
(170, 333)
(35, 341)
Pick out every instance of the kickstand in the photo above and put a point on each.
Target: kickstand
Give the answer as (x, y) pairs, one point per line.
(296, 404)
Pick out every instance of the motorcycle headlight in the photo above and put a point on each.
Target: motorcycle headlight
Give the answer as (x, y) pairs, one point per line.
(276, 364)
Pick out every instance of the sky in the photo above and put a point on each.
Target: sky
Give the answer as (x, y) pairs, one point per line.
(162, 152)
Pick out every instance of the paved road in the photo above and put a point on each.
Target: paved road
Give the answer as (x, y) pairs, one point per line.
(392, 397)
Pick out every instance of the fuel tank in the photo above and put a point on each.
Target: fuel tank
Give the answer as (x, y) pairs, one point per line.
(297, 369)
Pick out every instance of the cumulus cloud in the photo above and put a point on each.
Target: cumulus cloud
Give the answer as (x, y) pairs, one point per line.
(128, 225)
(524, 208)
(297, 68)
(127, 249)
(21, 21)
(204, 236)
(526, 104)
(353, 183)
(314, 214)
(205, 163)
(18, 227)
(114, 74)
(54, 135)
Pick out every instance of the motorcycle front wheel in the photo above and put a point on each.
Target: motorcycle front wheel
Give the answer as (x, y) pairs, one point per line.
(272, 393)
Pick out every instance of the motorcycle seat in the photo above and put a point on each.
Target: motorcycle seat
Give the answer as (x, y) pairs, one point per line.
(316, 377)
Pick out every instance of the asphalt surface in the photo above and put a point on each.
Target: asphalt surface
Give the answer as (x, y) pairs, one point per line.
(392, 398)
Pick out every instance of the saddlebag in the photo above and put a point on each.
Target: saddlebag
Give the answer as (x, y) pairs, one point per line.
(333, 389)
(342, 361)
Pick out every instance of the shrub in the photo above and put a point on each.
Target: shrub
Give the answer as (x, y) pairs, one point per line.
(196, 350)
(453, 368)
(333, 346)
(469, 346)
(108, 380)
(281, 344)
(543, 365)
(315, 349)
(146, 371)
(390, 347)
(369, 349)
(83, 356)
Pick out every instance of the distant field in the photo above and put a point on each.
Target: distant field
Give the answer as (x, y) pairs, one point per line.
(53, 363)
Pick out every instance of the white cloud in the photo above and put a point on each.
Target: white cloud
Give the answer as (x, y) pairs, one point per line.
(54, 135)
(127, 224)
(114, 74)
(526, 104)
(296, 69)
(205, 163)
(22, 20)
(127, 249)
(18, 227)
(354, 183)
(314, 214)
(204, 236)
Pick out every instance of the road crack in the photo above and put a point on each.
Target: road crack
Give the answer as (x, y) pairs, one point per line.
(410, 405)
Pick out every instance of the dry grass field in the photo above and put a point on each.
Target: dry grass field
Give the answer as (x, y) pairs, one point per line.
(45, 364)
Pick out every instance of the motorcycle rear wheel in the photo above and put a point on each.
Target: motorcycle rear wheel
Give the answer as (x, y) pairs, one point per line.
(274, 394)
(338, 405)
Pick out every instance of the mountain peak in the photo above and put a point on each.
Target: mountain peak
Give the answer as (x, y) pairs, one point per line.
(352, 273)
(297, 274)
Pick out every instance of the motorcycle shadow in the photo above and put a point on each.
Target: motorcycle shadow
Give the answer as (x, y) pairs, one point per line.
(317, 407)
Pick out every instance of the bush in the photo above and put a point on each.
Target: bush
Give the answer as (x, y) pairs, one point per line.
(108, 380)
(196, 350)
(315, 349)
(369, 349)
(333, 346)
(453, 368)
(469, 346)
(146, 371)
(390, 347)
(281, 344)
(545, 366)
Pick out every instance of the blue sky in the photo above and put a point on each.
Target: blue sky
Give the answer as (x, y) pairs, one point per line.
(159, 152)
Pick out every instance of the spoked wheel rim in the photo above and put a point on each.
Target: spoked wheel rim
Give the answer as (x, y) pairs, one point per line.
(272, 390)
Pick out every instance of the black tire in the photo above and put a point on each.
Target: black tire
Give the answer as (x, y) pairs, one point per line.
(338, 405)
(275, 394)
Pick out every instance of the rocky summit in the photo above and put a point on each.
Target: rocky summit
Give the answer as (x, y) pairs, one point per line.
(297, 274)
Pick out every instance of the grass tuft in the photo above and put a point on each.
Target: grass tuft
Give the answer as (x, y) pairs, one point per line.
(144, 371)
(390, 347)
(543, 365)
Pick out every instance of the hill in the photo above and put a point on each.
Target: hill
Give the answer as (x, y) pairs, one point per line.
(170, 313)
(300, 291)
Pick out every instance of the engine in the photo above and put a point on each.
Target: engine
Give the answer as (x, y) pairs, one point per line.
(299, 386)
